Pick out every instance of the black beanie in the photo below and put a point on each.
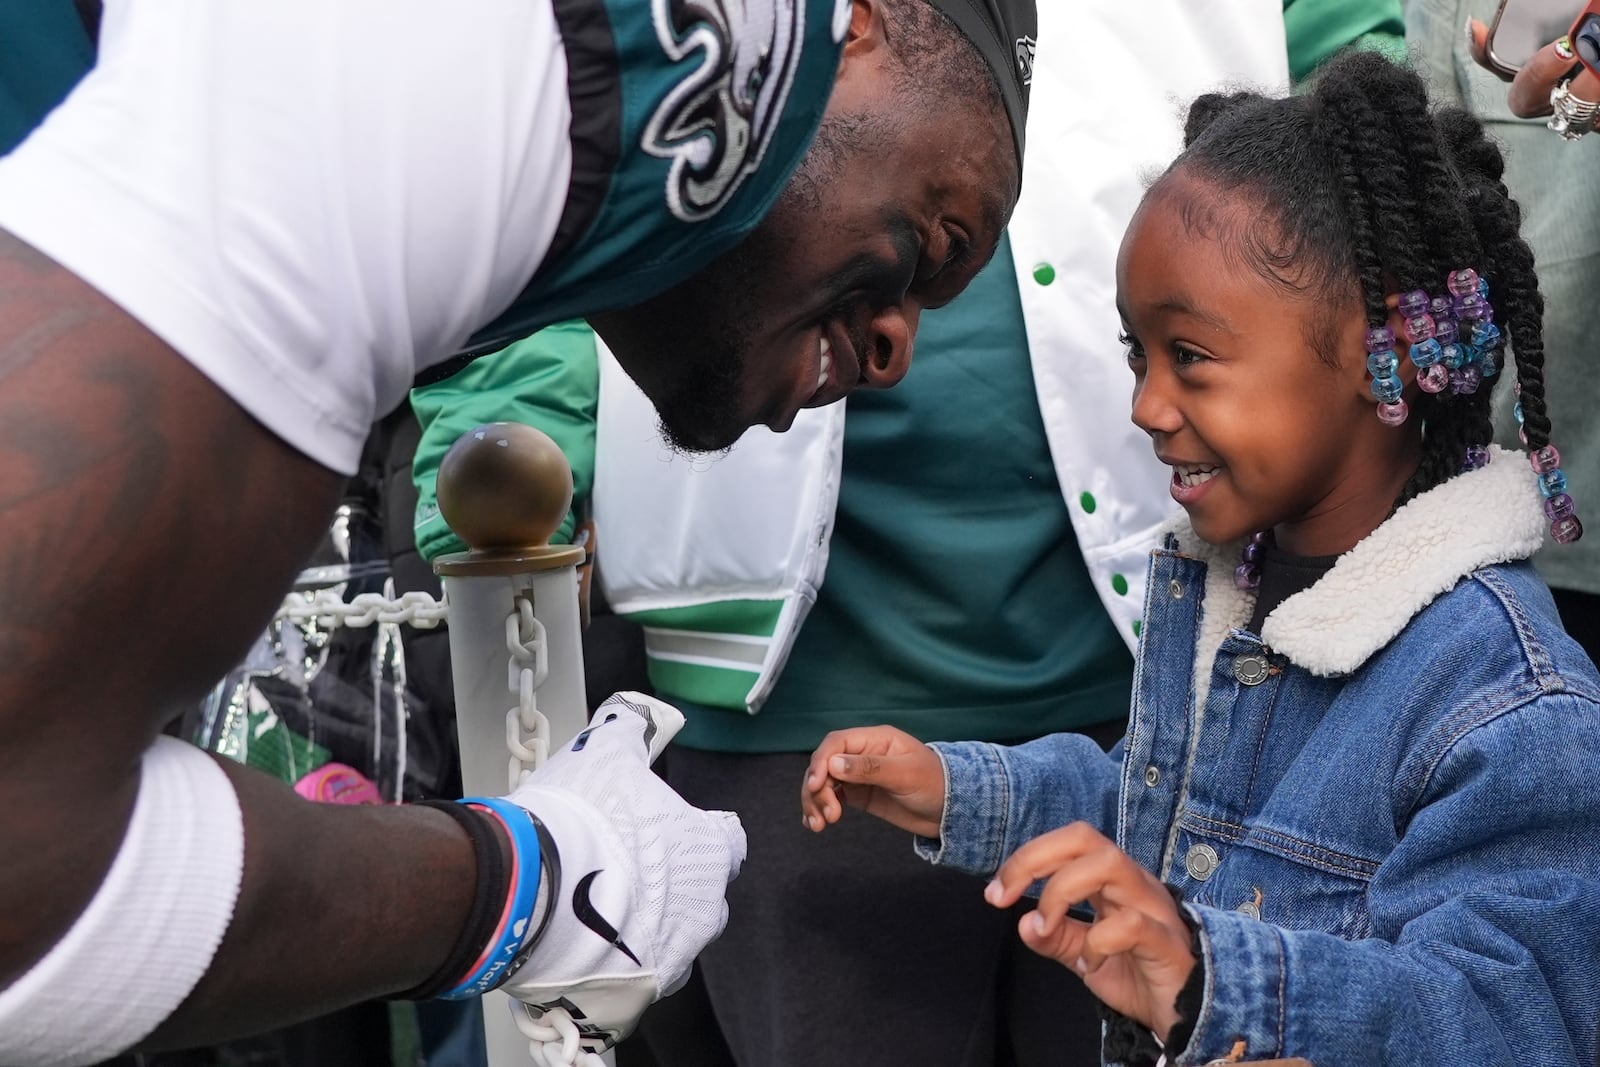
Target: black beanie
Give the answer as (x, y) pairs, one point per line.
(1004, 32)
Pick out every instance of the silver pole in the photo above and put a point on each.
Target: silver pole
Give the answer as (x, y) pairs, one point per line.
(504, 488)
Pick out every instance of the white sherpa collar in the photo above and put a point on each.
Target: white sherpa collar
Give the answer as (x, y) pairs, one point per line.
(1477, 519)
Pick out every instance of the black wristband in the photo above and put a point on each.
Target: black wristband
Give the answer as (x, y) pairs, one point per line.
(488, 901)
(1191, 998)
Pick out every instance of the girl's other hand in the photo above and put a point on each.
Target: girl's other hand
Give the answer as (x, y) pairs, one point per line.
(1135, 956)
(884, 771)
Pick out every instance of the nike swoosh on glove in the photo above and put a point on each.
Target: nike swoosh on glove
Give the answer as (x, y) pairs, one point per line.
(640, 874)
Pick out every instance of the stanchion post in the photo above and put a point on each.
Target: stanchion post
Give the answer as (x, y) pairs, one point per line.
(504, 489)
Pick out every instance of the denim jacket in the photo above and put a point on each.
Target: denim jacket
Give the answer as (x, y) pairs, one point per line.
(1382, 812)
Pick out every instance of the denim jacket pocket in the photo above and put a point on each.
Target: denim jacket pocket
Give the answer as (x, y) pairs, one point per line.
(1270, 875)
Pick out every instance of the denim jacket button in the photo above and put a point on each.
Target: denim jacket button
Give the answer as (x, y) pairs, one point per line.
(1152, 775)
(1250, 668)
(1175, 587)
(1200, 861)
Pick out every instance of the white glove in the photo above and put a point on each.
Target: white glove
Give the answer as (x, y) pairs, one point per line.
(639, 879)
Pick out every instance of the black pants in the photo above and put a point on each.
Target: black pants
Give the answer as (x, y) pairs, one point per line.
(845, 947)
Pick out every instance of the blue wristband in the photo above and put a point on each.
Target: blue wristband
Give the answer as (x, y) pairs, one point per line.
(500, 956)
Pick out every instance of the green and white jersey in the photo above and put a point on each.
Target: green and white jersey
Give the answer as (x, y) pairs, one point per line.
(689, 117)
(312, 202)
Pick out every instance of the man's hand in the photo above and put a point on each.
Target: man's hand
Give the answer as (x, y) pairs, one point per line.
(1135, 956)
(880, 769)
(640, 876)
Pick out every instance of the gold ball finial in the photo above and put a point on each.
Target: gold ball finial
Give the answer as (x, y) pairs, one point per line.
(503, 487)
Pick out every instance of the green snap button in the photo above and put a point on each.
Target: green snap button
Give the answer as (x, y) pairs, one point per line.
(1137, 626)
(1086, 500)
(1044, 273)
(1120, 584)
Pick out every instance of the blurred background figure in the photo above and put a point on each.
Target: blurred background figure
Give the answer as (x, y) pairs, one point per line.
(1554, 181)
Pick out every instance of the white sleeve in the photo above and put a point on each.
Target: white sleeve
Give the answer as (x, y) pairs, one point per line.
(309, 201)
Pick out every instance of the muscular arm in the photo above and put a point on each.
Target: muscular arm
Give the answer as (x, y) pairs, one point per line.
(148, 527)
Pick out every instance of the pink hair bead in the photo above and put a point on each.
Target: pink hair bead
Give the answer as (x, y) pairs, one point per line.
(1433, 379)
(1462, 282)
(1545, 460)
(1393, 414)
(1567, 530)
(1418, 327)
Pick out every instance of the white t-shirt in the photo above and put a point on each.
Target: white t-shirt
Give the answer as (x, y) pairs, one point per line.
(309, 200)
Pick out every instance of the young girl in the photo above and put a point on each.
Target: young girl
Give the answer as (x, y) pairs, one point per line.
(1356, 812)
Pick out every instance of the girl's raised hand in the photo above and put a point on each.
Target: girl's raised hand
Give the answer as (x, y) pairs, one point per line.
(884, 771)
(1135, 955)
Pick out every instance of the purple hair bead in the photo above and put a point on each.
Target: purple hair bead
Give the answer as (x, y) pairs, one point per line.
(1393, 414)
(1247, 576)
(1477, 457)
(1440, 306)
(1445, 330)
(1413, 303)
(1544, 460)
(1379, 338)
(1567, 530)
(1465, 380)
(1433, 379)
(1418, 327)
(1560, 507)
(1473, 308)
(1462, 282)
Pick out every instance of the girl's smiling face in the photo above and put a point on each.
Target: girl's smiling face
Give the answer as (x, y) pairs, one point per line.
(1261, 433)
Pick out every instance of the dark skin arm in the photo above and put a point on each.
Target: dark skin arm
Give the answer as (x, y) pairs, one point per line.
(148, 529)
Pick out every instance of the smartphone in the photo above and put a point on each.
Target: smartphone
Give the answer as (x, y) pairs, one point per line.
(1585, 34)
(1522, 27)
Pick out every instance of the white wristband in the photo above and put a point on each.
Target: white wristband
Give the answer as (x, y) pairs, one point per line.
(151, 930)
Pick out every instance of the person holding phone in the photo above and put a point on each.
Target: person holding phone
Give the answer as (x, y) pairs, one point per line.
(1553, 179)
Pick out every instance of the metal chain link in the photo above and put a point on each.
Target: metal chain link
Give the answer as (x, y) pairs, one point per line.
(328, 609)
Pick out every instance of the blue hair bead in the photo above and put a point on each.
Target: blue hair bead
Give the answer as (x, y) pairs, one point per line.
(1423, 353)
(1553, 483)
(1483, 287)
(1386, 390)
(1454, 355)
(1486, 335)
(1516, 412)
(1383, 364)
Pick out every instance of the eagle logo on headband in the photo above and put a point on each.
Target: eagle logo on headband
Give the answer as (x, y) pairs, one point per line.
(1025, 47)
(716, 124)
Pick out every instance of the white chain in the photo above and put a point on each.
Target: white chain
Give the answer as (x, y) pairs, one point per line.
(328, 609)
(553, 1037)
(527, 729)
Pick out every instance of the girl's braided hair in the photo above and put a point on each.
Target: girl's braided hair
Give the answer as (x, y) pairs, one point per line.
(1365, 188)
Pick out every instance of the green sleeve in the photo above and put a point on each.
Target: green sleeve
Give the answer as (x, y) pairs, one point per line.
(44, 50)
(550, 381)
(1317, 29)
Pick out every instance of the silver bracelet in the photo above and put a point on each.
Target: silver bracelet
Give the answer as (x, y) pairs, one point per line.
(1574, 116)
